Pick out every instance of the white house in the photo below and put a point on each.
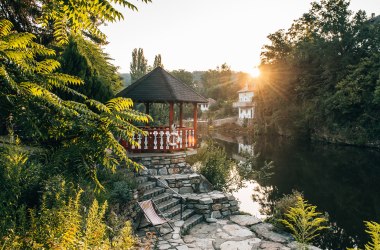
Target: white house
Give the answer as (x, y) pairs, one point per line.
(245, 103)
(205, 106)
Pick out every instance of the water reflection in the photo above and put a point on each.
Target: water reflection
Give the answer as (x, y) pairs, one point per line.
(343, 181)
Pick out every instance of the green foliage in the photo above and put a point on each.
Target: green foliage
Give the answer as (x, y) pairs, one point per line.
(66, 225)
(373, 229)
(282, 206)
(320, 76)
(96, 124)
(87, 61)
(157, 61)
(121, 191)
(214, 165)
(125, 240)
(303, 221)
(139, 65)
(81, 17)
(185, 77)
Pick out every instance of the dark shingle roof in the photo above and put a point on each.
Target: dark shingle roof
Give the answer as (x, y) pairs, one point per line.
(160, 86)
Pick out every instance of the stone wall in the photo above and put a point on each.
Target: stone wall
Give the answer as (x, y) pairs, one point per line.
(180, 183)
(214, 204)
(162, 164)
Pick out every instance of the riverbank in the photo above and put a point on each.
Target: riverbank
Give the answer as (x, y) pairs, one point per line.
(238, 232)
(322, 136)
(201, 218)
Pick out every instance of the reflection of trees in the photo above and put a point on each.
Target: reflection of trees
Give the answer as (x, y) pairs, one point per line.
(261, 195)
(339, 180)
(342, 181)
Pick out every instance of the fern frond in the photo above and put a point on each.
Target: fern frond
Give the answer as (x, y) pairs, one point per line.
(5, 27)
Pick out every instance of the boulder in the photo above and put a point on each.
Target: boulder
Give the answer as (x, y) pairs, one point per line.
(240, 245)
(266, 230)
(245, 220)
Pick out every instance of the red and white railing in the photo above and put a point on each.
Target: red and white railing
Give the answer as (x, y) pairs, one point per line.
(161, 139)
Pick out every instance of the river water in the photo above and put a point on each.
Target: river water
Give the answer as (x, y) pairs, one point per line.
(343, 181)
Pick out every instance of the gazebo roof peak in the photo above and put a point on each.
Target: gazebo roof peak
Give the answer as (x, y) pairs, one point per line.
(160, 86)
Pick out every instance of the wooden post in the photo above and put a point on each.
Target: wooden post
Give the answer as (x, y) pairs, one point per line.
(195, 113)
(147, 108)
(171, 115)
(181, 115)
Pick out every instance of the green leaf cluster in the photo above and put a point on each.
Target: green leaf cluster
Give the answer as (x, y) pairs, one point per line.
(304, 221)
(320, 78)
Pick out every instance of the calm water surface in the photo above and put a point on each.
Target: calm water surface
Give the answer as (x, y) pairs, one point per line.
(340, 180)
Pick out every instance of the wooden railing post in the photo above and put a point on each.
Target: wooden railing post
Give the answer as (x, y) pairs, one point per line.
(195, 113)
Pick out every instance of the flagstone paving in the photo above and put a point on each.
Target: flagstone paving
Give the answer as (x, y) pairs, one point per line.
(227, 235)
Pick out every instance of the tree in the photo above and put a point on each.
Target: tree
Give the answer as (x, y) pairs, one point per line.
(138, 65)
(185, 77)
(157, 62)
(87, 61)
(309, 71)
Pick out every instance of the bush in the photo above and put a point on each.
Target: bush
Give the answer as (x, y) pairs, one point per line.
(373, 229)
(304, 222)
(214, 165)
(282, 206)
(68, 225)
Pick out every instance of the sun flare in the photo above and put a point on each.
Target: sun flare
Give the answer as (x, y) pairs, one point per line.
(254, 72)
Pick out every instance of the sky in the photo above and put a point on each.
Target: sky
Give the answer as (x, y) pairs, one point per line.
(202, 34)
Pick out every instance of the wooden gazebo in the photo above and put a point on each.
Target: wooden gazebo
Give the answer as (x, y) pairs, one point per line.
(159, 86)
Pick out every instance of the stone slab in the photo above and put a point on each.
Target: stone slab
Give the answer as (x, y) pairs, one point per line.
(245, 220)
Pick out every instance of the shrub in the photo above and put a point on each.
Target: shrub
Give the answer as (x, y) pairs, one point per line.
(214, 165)
(121, 192)
(373, 229)
(304, 222)
(282, 206)
(67, 224)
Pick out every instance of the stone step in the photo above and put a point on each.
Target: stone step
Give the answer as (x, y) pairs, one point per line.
(163, 206)
(141, 179)
(146, 185)
(185, 214)
(162, 197)
(151, 193)
(191, 222)
(170, 213)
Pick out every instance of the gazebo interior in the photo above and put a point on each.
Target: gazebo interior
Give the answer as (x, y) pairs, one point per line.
(159, 86)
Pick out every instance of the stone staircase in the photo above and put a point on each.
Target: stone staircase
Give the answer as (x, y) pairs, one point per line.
(168, 204)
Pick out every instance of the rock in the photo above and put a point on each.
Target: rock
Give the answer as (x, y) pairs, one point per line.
(185, 190)
(199, 206)
(216, 215)
(211, 220)
(163, 171)
(265, 230)
(204, 185)
(164, 246)
(240, 245)
(165, 230)
(236, 230)
(162, 183)
(216, 206)
(271, 245)
(245, 220)
(179, 223)
(176, 236)
(225, 213)
(183, 247)
(205, 201)
(294, 245)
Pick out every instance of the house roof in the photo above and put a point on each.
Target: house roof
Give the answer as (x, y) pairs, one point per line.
(160, 86)
(246, 89)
